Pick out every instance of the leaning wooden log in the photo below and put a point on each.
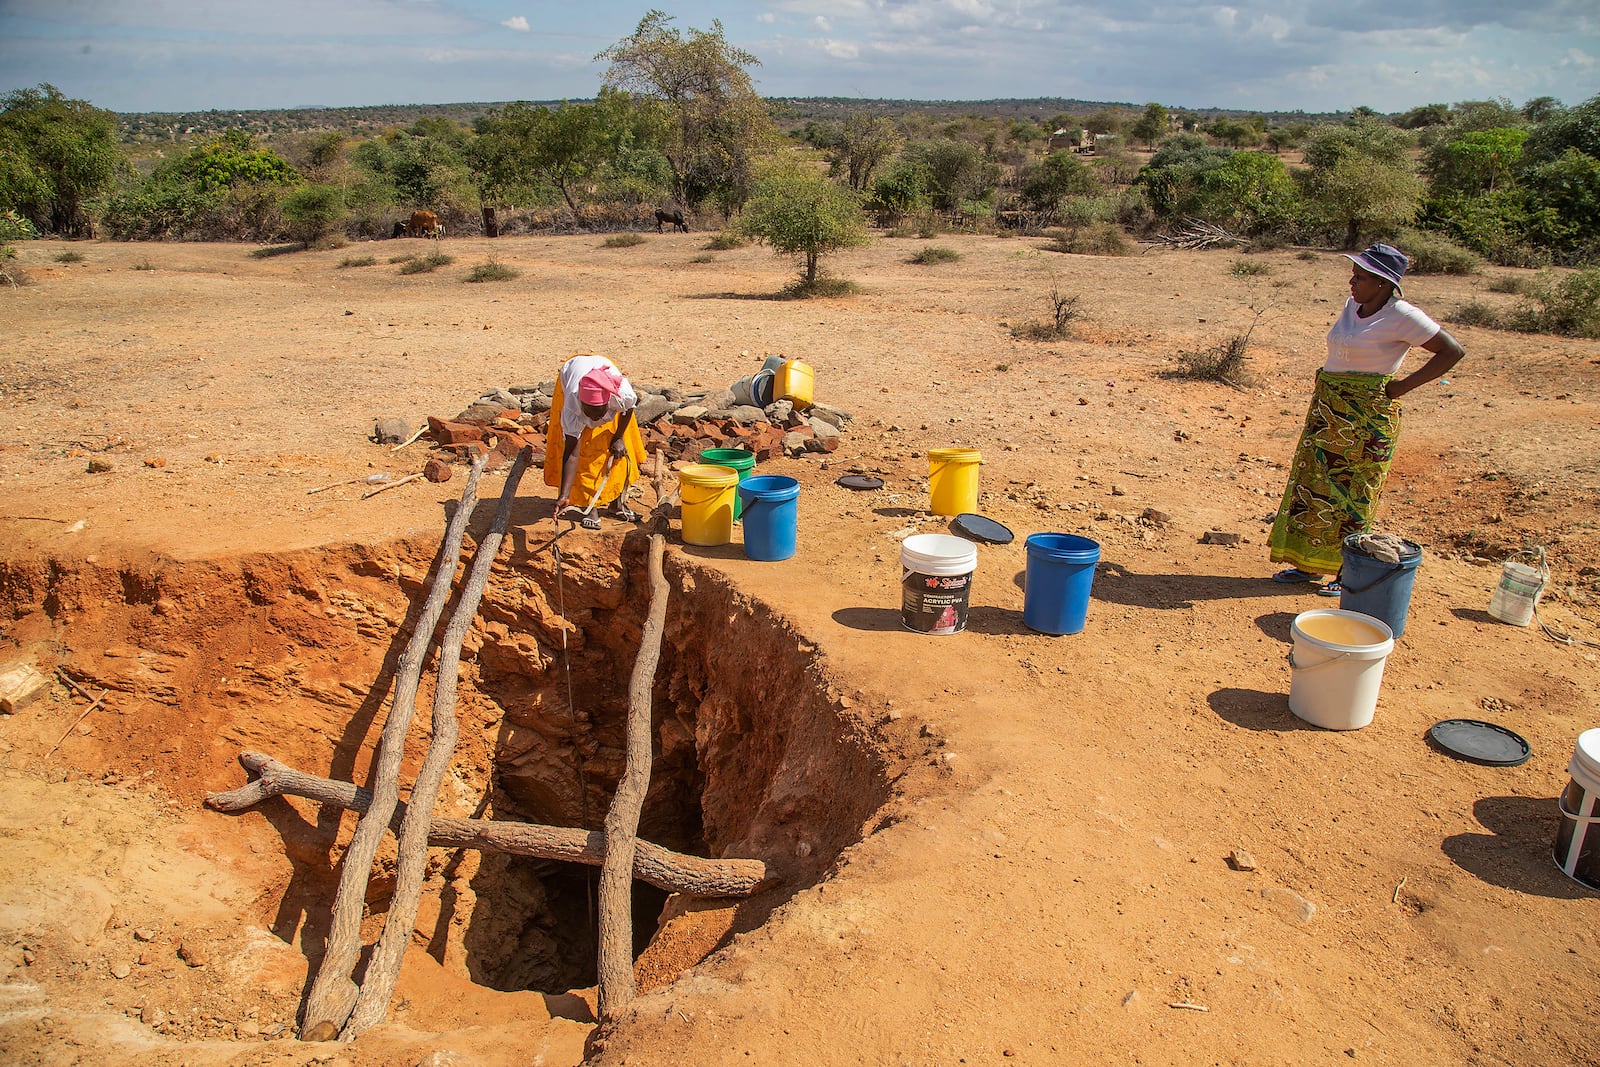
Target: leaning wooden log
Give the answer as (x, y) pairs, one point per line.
(675, 872)
(383, 970)
(617, 987)
(333, 993)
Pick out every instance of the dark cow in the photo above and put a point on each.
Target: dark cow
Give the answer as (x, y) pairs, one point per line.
(673, 218)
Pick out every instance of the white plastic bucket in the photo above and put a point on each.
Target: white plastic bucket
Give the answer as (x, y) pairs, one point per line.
(1337, 667)
(1517, 596)
(1577, 849)
(935, 581)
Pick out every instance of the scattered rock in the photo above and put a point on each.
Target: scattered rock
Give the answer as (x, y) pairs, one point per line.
(1130, 999)
(193, 955)
(1217, 537)
(19, 684)
(438, 470)
(689, 414)
(1240, 860)
(153, 1016)
(143, 933)
(1290, 901)
(155, 462)
(99, 465)
(794, 444)
(121, 969)
(391, 431)
(1117, 490)
(1159, 518)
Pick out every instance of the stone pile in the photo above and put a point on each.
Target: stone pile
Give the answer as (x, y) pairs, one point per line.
(679, 422)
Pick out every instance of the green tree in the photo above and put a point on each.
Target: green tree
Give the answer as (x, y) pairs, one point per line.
(1360, 177)
(902, 189)
(313, 211)
(799, 212)
(1540, 108)
(957, 172)
(1426, 115)
(864, 143)
(1235, 133)
(1151, 126)
(56, 157)
(1574, 127)
(1056, 177)
(719, 124)
(1477, 161)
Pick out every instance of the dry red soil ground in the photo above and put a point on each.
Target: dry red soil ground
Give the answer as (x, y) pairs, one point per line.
(997, 846)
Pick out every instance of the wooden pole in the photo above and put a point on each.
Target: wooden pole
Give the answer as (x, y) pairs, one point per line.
(383, 970)
(617, 986)
(673, 871)
(333, 993)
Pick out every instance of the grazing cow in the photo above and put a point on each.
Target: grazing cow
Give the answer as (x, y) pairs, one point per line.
(673, 217)
(424, 224)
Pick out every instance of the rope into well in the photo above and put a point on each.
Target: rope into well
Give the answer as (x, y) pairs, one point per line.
(572, 714)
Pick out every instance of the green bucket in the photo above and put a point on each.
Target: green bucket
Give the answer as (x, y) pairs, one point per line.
(737, 458)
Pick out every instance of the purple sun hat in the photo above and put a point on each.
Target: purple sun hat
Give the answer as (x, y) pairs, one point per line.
(1386, 261)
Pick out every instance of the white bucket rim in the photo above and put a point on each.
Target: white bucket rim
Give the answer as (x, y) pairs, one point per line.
(1373, 651)
(939, 554)
(1585, 765)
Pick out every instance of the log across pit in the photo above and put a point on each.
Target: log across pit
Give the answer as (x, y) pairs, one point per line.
(292, 656)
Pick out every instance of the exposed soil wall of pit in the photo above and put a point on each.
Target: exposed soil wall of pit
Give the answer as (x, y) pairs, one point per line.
(293, 655)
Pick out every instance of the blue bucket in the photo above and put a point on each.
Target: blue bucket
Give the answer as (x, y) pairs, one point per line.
(1056, 586)
(1376, 587)
(771, 516)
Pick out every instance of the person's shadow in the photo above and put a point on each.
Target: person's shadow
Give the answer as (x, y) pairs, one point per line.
(1519, 851)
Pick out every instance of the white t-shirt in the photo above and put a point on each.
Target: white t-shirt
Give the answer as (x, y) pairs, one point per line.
(1377, 344)
(573, 420)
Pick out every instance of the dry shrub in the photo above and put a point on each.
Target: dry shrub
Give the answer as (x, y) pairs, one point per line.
(935, 254)
(1093, 239)
(493, 271)
(358, 261)
(820, 287)
(1222, 362)
(623, 240)
(725, 241)
(424, 264)
(1064, 311)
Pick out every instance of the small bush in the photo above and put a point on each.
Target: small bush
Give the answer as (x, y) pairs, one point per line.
(1064, 311)
(70, 257)
(400, 259)
(1222, 362)
(13, 227)
(143, 264)
(358, 261)
(330, 242)
(1434, 253)
(493, 271)
(1477, 313)
(935, 254)
(1568, 306)
(1307, 255)
(1510, 283)
(901, 229)
(424, 264)
(623, 240)
(1095, 239)
(1248, 268)
(704, 257)
(275, 250)
(820, 287)
(10, 273)
(725, 241)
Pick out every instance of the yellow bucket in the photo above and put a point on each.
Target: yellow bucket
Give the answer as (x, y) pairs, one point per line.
(708, 496)
(953, 480)
(793, 381)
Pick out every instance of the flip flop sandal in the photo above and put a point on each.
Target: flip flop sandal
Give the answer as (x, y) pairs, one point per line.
(1291, 575)
(625, 514)
(1331, 589)
(590, 522)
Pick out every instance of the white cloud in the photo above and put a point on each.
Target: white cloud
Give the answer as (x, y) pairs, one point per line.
(842, 49)
(821, 23)
(516, 22)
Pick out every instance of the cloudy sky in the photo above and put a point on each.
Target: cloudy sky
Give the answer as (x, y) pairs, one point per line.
(1269, 55)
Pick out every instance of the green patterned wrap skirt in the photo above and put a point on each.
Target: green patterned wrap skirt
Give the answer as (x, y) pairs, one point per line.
(1338, 472)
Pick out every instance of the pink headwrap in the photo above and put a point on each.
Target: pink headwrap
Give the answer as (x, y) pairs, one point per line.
(599, 386)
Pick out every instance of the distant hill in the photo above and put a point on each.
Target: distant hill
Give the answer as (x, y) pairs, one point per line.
(145, 127)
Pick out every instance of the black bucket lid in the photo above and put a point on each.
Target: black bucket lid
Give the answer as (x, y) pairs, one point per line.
(1481, 742)
(976, 527)
(859, 481)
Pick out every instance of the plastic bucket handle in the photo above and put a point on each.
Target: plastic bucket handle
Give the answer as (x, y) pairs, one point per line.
(1581, 820)
(1331, 659)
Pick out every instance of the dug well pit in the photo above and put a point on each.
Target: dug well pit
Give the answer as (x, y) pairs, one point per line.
(756, 755)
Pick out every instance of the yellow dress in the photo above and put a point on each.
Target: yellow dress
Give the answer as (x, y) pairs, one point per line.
(594, 445)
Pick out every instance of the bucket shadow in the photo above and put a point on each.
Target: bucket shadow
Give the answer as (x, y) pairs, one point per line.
(1276, 625)
(980, 620)
(1519, 852)
(1115, 583)
(728, 551)
(898, 513)
(1255, 710)
(1474, 615)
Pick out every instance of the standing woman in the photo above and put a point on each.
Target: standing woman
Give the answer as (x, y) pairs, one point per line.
(1354, 421)
(592, 430)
